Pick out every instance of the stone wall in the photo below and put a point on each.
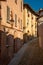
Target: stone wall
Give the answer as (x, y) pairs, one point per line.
(40, 32)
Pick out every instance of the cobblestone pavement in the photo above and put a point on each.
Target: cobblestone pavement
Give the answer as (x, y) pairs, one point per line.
(33, 55)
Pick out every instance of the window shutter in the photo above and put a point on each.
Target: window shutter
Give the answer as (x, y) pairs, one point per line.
(21, 6)
(21, 24)
(8, 13)
(15, 20)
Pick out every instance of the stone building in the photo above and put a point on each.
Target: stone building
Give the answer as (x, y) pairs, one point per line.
(29, 21)
(40, 27)
(11, 27)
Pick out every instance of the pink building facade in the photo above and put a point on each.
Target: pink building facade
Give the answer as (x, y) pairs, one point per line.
(11, 27)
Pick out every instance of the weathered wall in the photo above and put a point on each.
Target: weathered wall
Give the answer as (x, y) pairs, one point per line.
(40, 32)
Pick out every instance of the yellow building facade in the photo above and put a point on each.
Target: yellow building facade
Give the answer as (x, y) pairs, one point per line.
(29, 21)
(11, 26)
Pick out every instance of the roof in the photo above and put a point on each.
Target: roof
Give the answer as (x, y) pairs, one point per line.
(26, 5)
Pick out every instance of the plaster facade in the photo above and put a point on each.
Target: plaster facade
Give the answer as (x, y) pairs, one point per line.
(11, 26)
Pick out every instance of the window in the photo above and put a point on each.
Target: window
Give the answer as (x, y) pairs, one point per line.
(32, 25)
(21, 24)
(19, 20)
(21, 6)
(16, 1)
(15, 20)
(28, 14)
(32, 16)
(35, 25)
(27, 22)
(35, 32)
(8, 13)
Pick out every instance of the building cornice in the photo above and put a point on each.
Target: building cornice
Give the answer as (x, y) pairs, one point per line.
(12, 28)
(26, 5)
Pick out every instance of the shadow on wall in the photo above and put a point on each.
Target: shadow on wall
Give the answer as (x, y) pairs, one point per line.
(8, 46)
(18, 44)
(27, 38)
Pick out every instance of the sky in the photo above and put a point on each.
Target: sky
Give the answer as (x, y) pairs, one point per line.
(35, 4)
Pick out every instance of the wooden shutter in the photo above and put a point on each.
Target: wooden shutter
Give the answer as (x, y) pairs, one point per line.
(8, 13)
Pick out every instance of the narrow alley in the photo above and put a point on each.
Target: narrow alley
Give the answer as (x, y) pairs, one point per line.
(21, 32)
